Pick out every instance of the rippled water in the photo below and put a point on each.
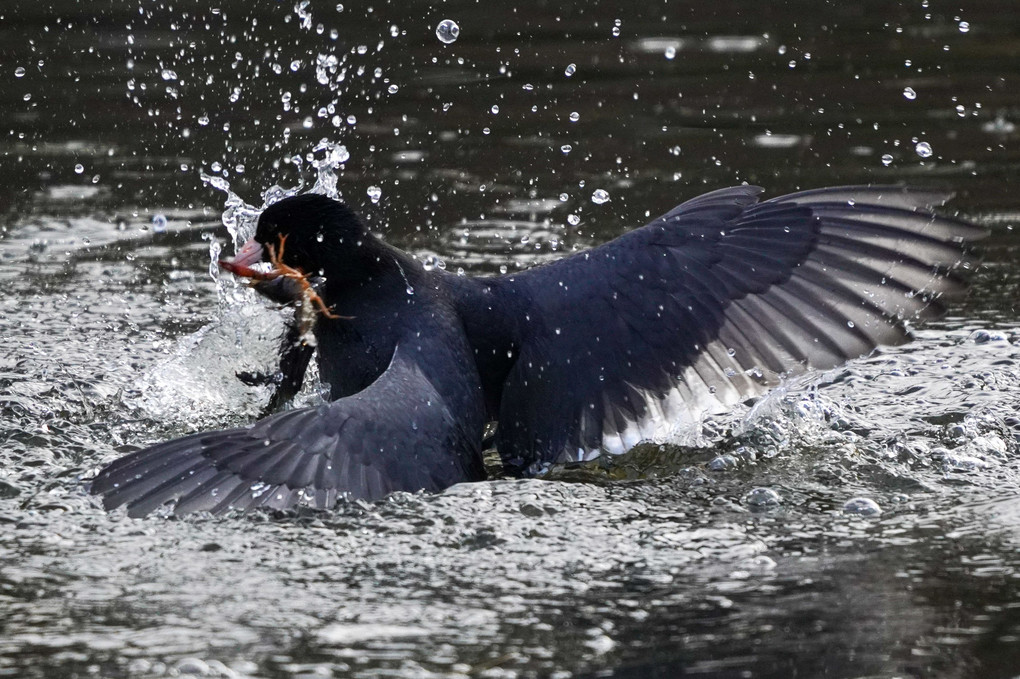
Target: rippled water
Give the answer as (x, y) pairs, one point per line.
(863, 522)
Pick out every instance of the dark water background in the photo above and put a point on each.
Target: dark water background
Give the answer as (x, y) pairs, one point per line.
(667, 562)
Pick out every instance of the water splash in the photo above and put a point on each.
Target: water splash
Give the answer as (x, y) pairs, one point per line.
(241, 218)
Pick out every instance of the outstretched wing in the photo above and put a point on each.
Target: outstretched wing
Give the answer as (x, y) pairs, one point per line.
(398, 434)
(713, 303)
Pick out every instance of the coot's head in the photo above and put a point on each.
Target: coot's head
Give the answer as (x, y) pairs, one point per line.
(316, 235)
(323, 236)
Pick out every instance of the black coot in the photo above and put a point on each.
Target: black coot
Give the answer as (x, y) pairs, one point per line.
(706, 306)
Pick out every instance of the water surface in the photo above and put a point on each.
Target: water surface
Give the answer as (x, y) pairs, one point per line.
(739, 558)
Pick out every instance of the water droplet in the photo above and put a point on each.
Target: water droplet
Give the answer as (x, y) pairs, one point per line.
(909, 93)
(923, 149)
(79, 168)
(494, 109)
(570, 70)
(159, 223)
(600, 196)
(431, 263)
(167, 74)
(566, 148)
(564, 197)
(964, 26)
(575, 116)
(203, 120)
(339, 8)
(671, 53)
(862, 506)
(447, 31)
(887, 159)
(374, 193)
(19, 72)
(392, 89)
(573, 220)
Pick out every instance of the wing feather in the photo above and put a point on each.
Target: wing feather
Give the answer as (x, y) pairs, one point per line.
(711, 304)
(361, 446)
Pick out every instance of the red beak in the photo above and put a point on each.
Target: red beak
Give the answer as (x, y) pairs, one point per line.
(240, 264)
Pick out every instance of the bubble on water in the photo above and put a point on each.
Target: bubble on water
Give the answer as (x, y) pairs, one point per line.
(923, 149)
(600, 196)
(575, 116)
(79, 168)
(861, 506)
(986, 336)
(570, 70)
(762, 498)
(447, 31)
(159, 223)
(374, 193)
(909, 93)
(195, 666)
(19, 72)
(722, 463)
(964, 26)
(887, 159)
